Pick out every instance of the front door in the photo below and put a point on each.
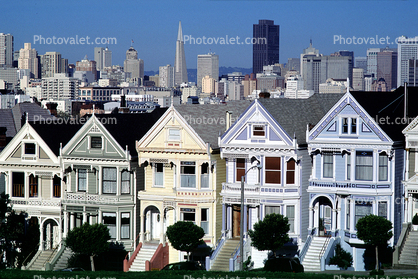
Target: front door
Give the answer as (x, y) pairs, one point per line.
(236, 220)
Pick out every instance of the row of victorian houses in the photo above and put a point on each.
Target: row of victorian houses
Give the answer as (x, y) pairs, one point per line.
(326, 161)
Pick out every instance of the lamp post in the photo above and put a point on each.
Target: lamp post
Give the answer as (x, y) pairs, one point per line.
(241, 232)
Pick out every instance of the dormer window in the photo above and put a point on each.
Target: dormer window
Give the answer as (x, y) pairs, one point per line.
(96, 142)
(259, 130)
(30, 148)
(349, 126)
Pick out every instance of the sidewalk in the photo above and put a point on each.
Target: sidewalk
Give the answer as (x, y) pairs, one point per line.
(410, 273)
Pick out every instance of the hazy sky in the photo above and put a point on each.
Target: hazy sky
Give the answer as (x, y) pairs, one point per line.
(153, 25)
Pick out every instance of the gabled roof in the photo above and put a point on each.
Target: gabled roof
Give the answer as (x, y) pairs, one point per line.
(388, 109)
(125, 128)
(209, 120)
(294, 115)
(12, 118)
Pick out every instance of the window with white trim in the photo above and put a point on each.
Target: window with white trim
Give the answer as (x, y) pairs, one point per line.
(82, 180)
(109, 180)
(364, 165)
(383, 167)
(158, 174)
(259, 130)
(290, 214)
(173, 134)
(125, 225)
(273, 170)
(125, 182)
(109, 220)
(328, 165)
(187, 174)
(204, 219)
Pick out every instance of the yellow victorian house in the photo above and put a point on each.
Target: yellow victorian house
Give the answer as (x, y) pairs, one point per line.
(183, 175)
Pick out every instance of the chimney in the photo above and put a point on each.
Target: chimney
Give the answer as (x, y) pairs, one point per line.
(3, 140)
(52, 107)
(228, 119)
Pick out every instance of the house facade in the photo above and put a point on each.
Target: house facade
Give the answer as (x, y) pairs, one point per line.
(356, 172)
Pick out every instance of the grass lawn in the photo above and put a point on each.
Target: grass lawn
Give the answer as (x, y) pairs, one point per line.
(26, 274)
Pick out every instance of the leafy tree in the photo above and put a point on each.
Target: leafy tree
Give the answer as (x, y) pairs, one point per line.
(89, 240)
(374, 230)
(185, 236)
(271, 233)
(18, 239)
(342, 258)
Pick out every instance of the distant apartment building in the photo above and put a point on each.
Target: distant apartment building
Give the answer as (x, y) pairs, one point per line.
(96, 93)
(208, 86)
(207, 65)
(333, 86)
(189, 91)
(28, 59)
(235, 91)
(269, 82)
(250, 84)
(294, 88)
(9, 78)
(6, 50)
(379, 85)
(266, 46)
(358, 79)
(368, 80)
(52, 63)
(407, 50)
(166, 76)
(59, 87)
(413, 73)
(103, 58)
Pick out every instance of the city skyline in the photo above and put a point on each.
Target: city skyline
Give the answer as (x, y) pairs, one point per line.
(155, 43)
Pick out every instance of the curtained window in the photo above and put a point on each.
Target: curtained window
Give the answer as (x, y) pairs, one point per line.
(240, 169)
(109, 180)
(82, 180)
(290, 214)
(273, 170)
(126, 182)
(290, 172)
(125, 225)
(328, 165)
(364, 165)
(383, 167)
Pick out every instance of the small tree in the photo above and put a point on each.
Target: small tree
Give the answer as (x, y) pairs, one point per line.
(89, 240)
(185, 236)
(342, 258)
(271, 233)
(374, 230)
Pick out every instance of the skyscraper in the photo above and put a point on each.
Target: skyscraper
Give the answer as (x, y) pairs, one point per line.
(207, 65)
(266, 39)
(6, 50)
(103, 57)
(133, 64)
(28, 59)
(387, 67)
(180, 69)
(407, 49)
(372, 60)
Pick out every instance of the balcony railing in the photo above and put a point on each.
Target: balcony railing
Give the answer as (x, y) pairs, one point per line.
(350, 184)
(86, 198)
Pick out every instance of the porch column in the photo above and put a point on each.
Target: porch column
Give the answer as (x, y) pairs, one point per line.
(339, 213)
(91, 219)
(85, 220)
(141, 228)
(99, 217)
(334, 220)
(65, 224)
(311, 215)
(162, 240)
(71, 221)
(42, 243)
(352, 215)
(223, 217)
(410, 207)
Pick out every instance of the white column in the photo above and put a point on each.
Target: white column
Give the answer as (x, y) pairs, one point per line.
(162, 240)
(42, 245)
(85, 220)
(65, 224)
(141, 229)
(99, 217)
(71, 221)
(311, 216)
(352, 215)
(410, 207)
(91, 219)
(334, 219)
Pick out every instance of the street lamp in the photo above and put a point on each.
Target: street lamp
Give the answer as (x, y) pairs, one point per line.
(241, 233)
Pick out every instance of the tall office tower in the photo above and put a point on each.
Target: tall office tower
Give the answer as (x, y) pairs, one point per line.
(309, 51)
(372, 61)
(358, 79)
(28, 59)
(86, 65)
(387, 61)
(407, 49)
(266, 38)
(6, 50)
(103, 57)
(52, 63)
(316, 69)
(413, 72)
(180, 69)
(337, 65)
(293, 64)
(134, 65)
(207, 65)
(361, 62)
(166, 76)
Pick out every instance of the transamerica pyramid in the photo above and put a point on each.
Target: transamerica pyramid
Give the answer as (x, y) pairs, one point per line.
(180, 69)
